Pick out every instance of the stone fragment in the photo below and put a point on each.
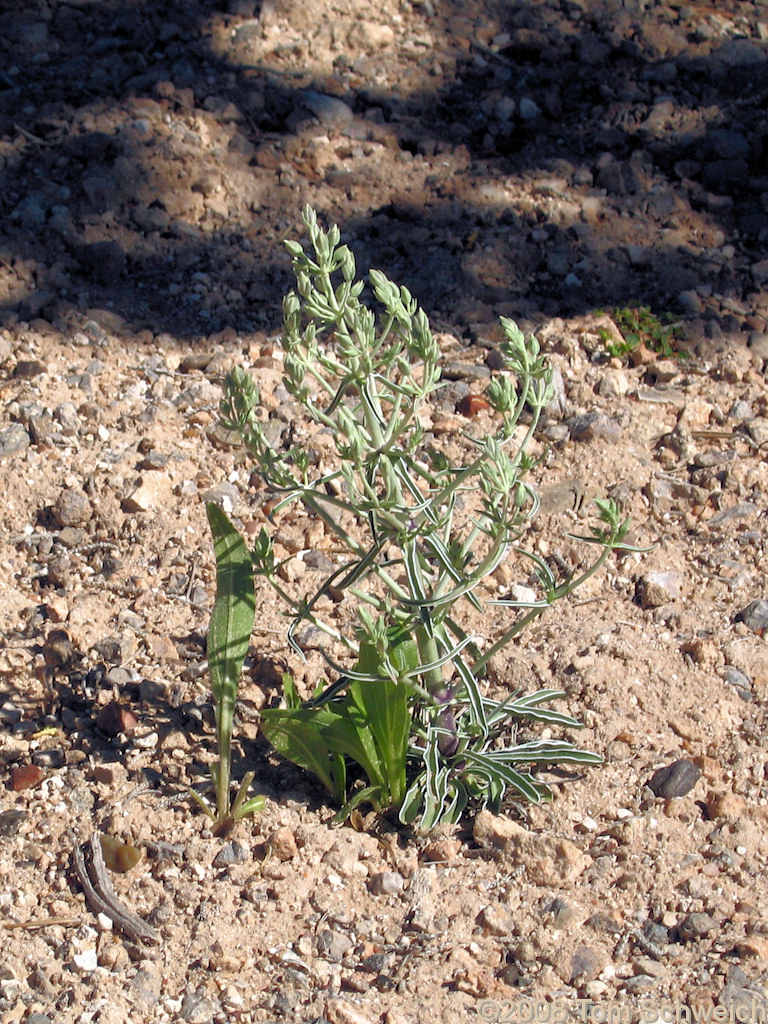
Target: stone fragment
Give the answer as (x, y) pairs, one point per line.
(496, 919)
(197, 1008)
(753, 945)
(725, 805)
(586, 965)
(675, 780)
(340, 1011)
(548, 860)
(614, 384)
(282, 844)
(735, 677)
(233, 852)
(333, 944)
(330, 111)
(10, 821)
(528, 109)
(387, 883)
(13, 440)
(738, 52)
(161, 647)
(144, 988)
(115, 718)
(754, 616)
(25, 776)
(28, 369)
(153, 493)
(694, 926)
(72, 508)
(758, 344)
(86, 961)
(342, 858)
(370, 35)
(52, 757)
(591, 425)
(655, 589)
(441, 851)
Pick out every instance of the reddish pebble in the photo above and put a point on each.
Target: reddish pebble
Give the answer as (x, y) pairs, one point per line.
(471, 405)
(25, 777)
(282, 844)
(441, 850)
(115, 718)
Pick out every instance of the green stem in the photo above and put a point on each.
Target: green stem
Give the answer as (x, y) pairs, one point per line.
(428, 653)
(223, 772)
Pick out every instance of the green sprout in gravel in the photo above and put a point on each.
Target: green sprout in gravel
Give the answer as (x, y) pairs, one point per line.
(229, 634)
(420, 533)
(640, 326)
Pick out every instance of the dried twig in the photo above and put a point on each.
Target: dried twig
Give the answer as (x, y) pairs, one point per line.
(102, 897)
(42, 922)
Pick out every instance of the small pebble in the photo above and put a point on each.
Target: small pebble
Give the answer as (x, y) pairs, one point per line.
(333, 945)
(86, 961)
(675, 780)
(232, 853)
(282, 844)
(527, 109)
(387, 883)
(592, 425)
(197, 1008)
(72, 508)
(55, 757)
(496, 919)
(656, 589)
(586, 964)
(13, 440)
(726, 805)
(145, 988)
(115, 718)
(694, 926)
(10, 821)
(441, 851)
(25, 776)
(329, 110)
(734, 677)
(754, 616)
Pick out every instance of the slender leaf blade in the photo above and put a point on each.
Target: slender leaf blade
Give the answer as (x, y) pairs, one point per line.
(234, 608)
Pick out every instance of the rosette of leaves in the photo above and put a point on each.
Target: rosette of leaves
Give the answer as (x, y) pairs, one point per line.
(420, 533)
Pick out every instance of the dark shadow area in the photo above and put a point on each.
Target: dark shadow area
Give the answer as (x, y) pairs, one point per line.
(587, 154)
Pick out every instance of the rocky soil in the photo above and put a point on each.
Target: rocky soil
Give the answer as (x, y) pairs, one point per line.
(547, 160)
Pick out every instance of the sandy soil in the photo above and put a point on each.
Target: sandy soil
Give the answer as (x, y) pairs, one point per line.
(543, 160)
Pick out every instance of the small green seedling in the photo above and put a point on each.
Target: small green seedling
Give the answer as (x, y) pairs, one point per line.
(405, 725)
(640, 326)
(229, 634)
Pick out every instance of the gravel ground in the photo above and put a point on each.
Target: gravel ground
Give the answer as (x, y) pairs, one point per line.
(548, 161)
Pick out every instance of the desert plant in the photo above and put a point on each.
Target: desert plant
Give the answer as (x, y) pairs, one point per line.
(421, 534)
(639, 326)
(229, 634)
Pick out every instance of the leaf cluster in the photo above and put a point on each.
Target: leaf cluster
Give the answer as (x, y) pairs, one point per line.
(639, 326)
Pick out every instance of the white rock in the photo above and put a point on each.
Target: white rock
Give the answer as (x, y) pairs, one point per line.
(86, 961)
(152, 494)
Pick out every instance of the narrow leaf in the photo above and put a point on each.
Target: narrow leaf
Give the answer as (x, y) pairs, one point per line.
(233, 614)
